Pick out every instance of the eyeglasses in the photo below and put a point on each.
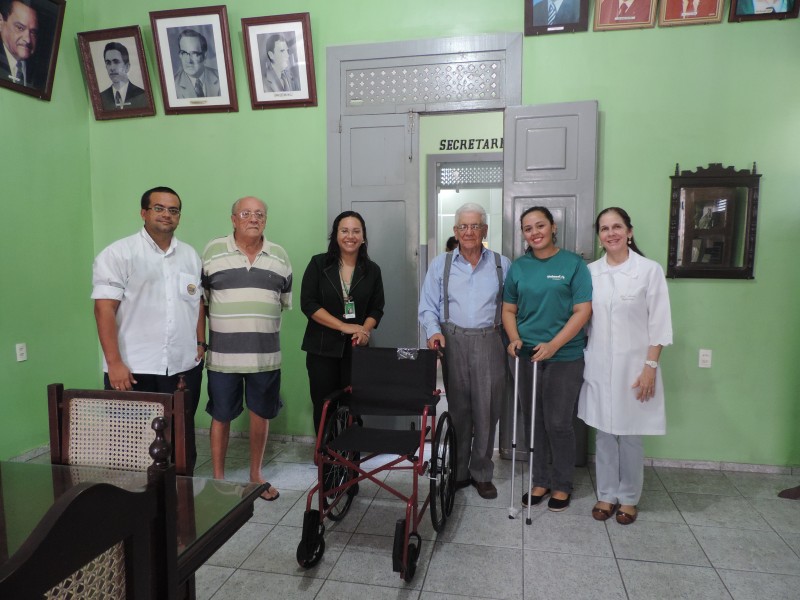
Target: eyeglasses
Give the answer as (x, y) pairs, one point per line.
(158, 209)
(246, 214)
(194, 55)
(473, 227)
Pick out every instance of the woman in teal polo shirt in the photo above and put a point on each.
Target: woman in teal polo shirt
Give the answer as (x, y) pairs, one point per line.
(546, 303)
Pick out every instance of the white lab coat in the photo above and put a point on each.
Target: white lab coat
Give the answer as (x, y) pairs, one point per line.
(630, 312)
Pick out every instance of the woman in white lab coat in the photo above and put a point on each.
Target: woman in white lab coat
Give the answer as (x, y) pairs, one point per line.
(622, 394)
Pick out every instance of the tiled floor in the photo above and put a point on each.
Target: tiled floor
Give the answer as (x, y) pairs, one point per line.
(700, 534)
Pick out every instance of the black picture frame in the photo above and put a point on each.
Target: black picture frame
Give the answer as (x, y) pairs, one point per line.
(207, 25)
(757, 10)
(570, 16)
(37, 67)
(294, 30)
(116, 45)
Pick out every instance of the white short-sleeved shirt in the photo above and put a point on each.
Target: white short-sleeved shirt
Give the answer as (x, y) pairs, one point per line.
(159, 294)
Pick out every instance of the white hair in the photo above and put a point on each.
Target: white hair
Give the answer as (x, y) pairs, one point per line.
(471, 207)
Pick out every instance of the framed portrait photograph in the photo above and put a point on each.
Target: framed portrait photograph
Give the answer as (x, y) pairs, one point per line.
(30, 31)
(689, 12)
(116, 73)
(193, 49)
(624, 14)
(556, 16)
(280, 61)
(762, 10)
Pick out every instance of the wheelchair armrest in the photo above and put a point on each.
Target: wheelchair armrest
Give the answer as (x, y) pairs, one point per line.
(335, 396)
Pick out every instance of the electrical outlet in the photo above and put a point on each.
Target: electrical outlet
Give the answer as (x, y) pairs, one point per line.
(22, 352)
(705, 359)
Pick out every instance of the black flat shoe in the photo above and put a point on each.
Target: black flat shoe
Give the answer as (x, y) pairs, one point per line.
(556, 505)
(534, 499)
(460, 485)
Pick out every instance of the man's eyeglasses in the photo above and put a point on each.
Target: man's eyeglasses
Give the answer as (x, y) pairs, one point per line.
(473, 227)
(194, 55)
(246, 214)
(158, 209)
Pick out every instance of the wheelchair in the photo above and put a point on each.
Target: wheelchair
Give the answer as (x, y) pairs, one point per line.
(385, 382)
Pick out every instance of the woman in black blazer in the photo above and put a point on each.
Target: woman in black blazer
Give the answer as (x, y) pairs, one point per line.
(342, 296)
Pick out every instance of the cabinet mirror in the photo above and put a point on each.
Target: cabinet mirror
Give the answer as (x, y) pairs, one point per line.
(712, 228)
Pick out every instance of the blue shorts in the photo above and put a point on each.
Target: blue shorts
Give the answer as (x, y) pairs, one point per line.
(226, 392)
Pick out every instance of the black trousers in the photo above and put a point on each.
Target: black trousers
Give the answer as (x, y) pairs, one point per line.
(326, 374)
(167, 384)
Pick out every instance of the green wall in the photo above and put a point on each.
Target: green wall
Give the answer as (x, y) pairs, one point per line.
(691, 95)
(46, 248)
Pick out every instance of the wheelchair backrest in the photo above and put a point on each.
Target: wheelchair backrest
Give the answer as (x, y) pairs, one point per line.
(392, 381)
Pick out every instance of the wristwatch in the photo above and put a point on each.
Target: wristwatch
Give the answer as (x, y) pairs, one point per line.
(203, 344)
(651, 363)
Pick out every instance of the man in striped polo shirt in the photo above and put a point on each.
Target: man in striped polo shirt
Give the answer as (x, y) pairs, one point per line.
(248, 283)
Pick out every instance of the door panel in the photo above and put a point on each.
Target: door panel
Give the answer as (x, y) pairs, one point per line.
(380, 180)
(385, 238)
(550, 160)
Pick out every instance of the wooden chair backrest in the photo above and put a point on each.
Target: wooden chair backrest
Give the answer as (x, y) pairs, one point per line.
(108, 428)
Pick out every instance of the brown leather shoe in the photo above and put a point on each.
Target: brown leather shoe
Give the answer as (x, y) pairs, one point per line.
(626, 517)
(603, 514)
(485, 489)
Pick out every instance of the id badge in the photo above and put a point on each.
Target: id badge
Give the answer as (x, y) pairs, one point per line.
(350, 310)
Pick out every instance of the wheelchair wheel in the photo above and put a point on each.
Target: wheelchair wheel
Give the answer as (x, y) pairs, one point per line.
(443, 472)
(336, 475)
(306, 560)
(413, 556)
(312, 544)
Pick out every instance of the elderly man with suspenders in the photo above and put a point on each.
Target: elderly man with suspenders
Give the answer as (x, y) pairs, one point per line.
(459, 309)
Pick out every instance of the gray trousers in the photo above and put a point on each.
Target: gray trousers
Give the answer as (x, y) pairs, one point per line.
(475, 377)
(620, 468)
(559, 383)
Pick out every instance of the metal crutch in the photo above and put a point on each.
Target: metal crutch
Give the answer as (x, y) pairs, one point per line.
(513, 511)
(530, 445)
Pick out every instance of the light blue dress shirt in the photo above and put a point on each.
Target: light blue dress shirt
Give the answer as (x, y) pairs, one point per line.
(473, 292)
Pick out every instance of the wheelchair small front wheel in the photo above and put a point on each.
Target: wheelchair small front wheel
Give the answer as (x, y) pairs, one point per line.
(312, 543)
(308, 559)
(413, 555)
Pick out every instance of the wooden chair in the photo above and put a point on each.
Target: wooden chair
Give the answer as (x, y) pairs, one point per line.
(100, 541)
(108, 428)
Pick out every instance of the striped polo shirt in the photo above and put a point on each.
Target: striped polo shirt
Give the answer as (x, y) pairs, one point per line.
(244, 305)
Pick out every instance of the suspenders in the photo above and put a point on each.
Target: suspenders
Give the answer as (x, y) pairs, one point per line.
(446, 279)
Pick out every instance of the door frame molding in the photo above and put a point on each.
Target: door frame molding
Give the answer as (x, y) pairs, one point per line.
(508, 47)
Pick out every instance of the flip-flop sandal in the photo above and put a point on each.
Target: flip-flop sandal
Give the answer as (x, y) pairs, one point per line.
(275, 497)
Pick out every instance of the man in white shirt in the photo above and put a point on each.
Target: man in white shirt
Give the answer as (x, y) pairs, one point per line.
(148, 307)
(19, 30)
